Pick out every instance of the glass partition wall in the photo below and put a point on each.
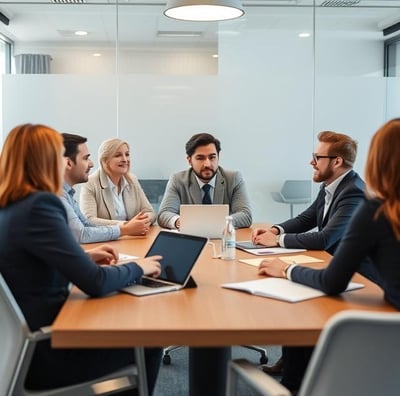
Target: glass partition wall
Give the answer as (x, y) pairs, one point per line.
(264, 84)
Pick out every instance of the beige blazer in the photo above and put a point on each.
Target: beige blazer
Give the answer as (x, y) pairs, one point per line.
(97, 204)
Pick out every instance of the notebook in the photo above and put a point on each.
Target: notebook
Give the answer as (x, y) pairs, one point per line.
(282, 289)
(180, 253)
(203, 220)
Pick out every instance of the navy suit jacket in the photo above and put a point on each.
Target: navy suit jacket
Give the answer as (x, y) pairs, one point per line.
(348, 195)
(368, 238)
(39, 257)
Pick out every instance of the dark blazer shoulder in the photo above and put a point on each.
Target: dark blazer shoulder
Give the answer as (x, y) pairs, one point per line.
(45, 199)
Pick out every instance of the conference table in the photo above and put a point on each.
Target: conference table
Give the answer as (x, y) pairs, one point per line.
(207, 318)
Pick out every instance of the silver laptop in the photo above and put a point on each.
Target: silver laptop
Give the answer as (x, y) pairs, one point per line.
(180, 253)
(203, 220)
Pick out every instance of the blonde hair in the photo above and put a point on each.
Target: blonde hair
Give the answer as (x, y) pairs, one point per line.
(30, 161)
(107, 150)
(382, 173)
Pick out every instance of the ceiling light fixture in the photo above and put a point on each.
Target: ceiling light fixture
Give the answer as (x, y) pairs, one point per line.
(81, 33)
(204, 10)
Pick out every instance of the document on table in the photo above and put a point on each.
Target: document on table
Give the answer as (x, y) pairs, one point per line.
(281, 289)
(297, 259)
(266, 251)
(126, 258)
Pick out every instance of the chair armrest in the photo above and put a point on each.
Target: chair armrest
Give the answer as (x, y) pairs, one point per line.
(255, 378)
(43, 333)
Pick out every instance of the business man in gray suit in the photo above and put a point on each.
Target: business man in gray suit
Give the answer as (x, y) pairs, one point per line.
(205, 182)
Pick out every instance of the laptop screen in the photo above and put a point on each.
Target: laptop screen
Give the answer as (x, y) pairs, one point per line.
(203, 220)
(180, 252)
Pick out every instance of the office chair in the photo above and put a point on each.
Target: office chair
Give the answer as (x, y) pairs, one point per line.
(167, 357)
(154, 190)
(17, 345)
(293, 192)
(357, 354)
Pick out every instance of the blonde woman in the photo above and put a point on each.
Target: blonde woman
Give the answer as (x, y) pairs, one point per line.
(112, 194)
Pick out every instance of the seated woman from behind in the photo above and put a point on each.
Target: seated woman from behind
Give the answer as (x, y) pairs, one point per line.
(40, 258)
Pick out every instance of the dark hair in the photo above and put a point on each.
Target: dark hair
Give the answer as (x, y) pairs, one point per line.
(341, 145)
(71, 143)
(201, 139)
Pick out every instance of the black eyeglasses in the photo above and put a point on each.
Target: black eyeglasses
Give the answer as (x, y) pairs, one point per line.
(317, 157)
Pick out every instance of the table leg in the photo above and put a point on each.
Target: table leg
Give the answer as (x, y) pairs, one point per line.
(207, 371)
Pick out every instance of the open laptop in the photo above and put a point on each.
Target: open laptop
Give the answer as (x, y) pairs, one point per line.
(180, 253)
(203, 220)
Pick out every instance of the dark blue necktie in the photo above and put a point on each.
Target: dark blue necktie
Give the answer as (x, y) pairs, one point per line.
(206, 197)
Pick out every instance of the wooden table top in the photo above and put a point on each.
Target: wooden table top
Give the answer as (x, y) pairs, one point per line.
(204, 316)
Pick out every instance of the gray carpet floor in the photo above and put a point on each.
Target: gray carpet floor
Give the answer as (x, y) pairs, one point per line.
(173, 378)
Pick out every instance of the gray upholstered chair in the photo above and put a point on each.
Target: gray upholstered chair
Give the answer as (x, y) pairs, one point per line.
(293, 192)
(357, 354)
(17, 344)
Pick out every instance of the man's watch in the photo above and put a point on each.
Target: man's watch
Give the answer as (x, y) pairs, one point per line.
(277, 238)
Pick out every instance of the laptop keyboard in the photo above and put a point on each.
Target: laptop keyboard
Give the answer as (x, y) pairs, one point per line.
(152, 283)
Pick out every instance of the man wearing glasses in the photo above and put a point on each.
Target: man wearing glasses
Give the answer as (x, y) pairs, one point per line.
(341, 192)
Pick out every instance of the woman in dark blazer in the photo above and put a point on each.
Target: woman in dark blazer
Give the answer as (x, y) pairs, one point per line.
(39, 258)
(373, 233)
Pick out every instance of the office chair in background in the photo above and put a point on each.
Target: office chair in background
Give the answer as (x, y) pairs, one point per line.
(293, 192)
(17, 345)
(357, 354)
(154, 190)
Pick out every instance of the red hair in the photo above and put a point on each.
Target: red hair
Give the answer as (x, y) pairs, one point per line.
(31, 160)
(382, 171)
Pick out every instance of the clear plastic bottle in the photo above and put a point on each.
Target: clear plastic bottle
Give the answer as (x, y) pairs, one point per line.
(229, 240)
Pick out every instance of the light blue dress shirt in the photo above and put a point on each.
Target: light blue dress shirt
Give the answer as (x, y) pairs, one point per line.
(82, 229)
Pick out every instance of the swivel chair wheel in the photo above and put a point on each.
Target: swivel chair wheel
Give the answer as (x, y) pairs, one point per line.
(166, 359)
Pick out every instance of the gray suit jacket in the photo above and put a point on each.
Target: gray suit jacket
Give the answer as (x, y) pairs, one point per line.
(97, 204)
(183, 188)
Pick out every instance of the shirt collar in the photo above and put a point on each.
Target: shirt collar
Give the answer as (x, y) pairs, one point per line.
(113, 187)
(331, 188)
(211, 182)
(68, 189)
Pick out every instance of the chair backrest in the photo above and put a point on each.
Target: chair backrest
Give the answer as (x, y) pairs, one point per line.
(13, 335)
(153, 188)
(357, 355)
(296, 191)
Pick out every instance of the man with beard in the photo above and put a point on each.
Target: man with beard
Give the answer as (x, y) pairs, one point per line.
(205, 182)
(341, 192)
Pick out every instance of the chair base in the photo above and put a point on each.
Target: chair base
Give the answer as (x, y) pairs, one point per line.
(166, 359)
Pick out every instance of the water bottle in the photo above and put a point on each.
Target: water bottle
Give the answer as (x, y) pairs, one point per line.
(229, 240)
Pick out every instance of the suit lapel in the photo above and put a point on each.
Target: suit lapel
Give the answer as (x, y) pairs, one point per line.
(194, 189)
(219, 189)
(106, 194)
(338, 190)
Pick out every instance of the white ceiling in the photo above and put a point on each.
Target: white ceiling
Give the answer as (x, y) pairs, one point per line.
(139, 21)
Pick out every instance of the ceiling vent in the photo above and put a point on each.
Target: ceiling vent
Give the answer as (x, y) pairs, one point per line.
(339, 3)
(68, 1)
